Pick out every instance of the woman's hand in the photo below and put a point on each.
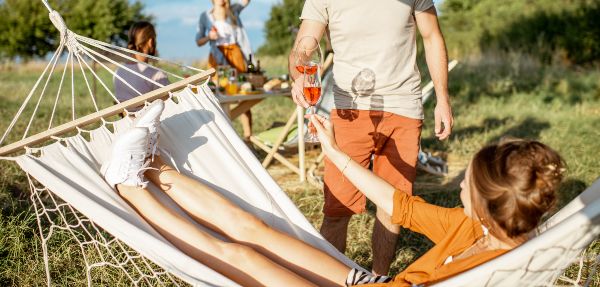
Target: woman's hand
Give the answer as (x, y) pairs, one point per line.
(324, 130)
(375, 188)
(212, 34)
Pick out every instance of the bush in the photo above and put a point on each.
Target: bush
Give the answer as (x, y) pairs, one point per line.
(567, 31)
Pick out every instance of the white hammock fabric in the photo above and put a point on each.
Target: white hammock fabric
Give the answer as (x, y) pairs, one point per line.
(203, 146)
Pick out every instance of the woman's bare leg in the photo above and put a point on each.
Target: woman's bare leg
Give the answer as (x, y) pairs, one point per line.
(213, 210)
(240, 263)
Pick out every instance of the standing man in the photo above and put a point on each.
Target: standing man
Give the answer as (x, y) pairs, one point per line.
(378, 110)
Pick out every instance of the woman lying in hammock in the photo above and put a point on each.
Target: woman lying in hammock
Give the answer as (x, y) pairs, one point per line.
(508, 187)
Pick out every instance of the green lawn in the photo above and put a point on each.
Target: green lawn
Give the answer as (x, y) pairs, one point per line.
(492, 98)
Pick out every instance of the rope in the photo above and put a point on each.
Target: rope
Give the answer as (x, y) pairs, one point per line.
(85, 50)
(87, 83)
(84, 40)
(60, 25)
(61, 48)
(47, 6)
(98, 78)
(20, 111)
(57, 94)
(97, 248)
(72, 88)
(122, 66)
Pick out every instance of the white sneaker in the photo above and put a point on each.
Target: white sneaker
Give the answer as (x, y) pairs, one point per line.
(149, 117)
(127, 161)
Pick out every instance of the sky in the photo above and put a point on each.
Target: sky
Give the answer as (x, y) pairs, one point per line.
(176, 22)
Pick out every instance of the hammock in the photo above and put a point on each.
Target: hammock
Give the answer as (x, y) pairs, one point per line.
(71, 199)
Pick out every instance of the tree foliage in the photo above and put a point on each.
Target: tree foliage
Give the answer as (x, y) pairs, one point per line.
(279, 29)
(26, 30)
(568, 30)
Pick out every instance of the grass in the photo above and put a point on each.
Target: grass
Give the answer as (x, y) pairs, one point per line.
(493, 96)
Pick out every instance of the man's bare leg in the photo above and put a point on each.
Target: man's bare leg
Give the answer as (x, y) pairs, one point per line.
(385, 237)
(240, 263)
(211, 209)
(335, 230)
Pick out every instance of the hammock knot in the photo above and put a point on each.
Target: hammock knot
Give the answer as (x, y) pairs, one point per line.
(59, 23)
(67, 37)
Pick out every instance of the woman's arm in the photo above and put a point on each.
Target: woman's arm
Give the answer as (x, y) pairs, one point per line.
(201, 36)
(411, 212)
(202, 41)
(373, 187)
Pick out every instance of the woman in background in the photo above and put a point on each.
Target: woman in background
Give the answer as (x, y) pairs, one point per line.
(142, 38)
(222, 28)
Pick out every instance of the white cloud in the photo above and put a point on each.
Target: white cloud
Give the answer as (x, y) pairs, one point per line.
(254, 24)
(184, 13)
(269, 2)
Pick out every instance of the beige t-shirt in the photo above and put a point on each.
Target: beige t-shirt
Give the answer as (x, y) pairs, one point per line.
(374, 44)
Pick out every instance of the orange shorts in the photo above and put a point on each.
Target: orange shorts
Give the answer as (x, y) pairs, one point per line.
(391, 139)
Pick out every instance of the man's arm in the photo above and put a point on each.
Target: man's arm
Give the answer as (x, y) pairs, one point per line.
(307, 28)
(437, 62)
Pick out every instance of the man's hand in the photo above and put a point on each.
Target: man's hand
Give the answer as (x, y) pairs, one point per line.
(298, 92)
(307, 28)
(443, 120)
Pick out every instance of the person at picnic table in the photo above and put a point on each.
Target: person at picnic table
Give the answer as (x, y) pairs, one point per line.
(377, 111)
(128, 82)
(507, 189)
(222, 27)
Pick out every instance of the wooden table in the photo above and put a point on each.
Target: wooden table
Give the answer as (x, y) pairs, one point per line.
(235, 105)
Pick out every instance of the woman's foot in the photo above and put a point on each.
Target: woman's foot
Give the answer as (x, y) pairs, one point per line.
(127, 161)
(149, 117)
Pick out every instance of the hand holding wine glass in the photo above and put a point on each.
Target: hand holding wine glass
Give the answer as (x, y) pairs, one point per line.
(308, 61)
(298, 91)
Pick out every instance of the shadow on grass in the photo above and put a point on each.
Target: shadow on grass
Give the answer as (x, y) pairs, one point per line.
(529, 128)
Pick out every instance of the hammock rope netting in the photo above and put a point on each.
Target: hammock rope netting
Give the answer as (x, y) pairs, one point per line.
(75, 206)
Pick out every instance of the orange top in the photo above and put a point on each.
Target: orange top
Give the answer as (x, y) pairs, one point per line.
(451, 231)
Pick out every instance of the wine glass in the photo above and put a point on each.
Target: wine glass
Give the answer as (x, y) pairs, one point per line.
(308, 61)
(311, 89)
(307, 50)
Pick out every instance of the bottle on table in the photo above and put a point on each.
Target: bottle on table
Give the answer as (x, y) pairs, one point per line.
(258, 71)
(250, 69)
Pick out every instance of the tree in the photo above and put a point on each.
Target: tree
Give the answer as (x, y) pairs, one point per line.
(279, 29)
(26, 30)
(543, 28)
